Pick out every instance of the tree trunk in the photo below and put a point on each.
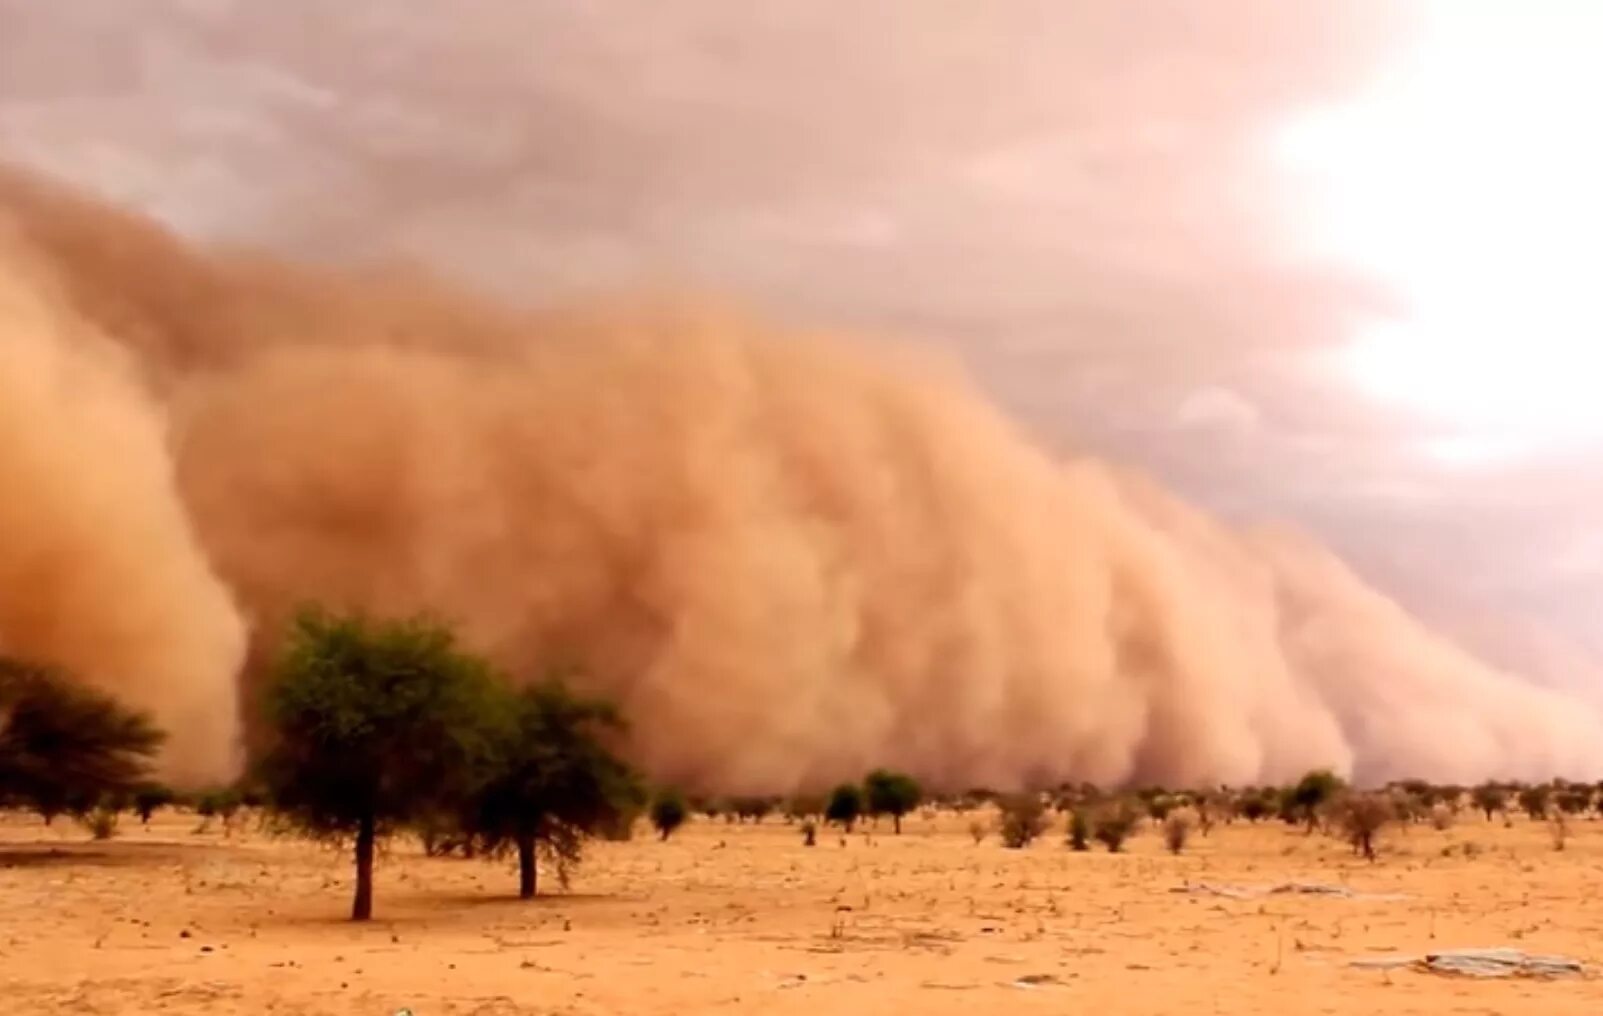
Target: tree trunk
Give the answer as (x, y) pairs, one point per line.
(362, 908)
(526, 872)
(896, 822)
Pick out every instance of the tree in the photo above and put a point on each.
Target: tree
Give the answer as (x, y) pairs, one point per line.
(1575, 800)
(1312, 791)
(1534, 801)
(375, 722)
(845, 805)
(1362, 816)
(891, 793)
(148, 797)
(1113, 824)
(551, 781)
(65, 746)
(1489, 798)
(668, 812)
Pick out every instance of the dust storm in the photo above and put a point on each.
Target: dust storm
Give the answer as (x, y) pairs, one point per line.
(789, 556)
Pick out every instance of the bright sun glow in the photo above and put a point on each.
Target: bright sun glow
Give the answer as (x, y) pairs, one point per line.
(1472, 178)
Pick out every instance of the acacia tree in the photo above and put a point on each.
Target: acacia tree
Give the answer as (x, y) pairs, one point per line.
(551, 780)
(375, 722)
(65, 746)
(845, 805)
(1311, 792)
(891, 793)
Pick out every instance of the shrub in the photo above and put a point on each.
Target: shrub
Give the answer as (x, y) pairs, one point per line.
(845, 806)
(668, 812)
(891, 793)
(1362, 816)
(753, 808)
(805, 806)
(1159, 807)
(1558, 828)
(1176, 829)
(1258, 806)
(1023, 819)
(1441, 816)
(1114, 823)
(1575, 800)
(809, 831)
(1079, 830)
(978, 830)
(101, 822)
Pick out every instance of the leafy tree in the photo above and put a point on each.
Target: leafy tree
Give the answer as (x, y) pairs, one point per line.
(65, 746)
(668, 812)
(552, 782)
(1311, 792)
(376, 722)
(1362, 816)
(148, 797)
(1575, 800)
(891, 793)
(845, 806)
(1113, 824)
(1489, 798)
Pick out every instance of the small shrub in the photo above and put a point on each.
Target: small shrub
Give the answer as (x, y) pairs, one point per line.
(1159, 807)
(1176, 829)
(101, 822)
(1079, 830)
(1023, 819)
(1257, 807)
(1114, 824)
(668, 813)
(809, 831)
(1441, 817)
(978, 830)
(148, 798)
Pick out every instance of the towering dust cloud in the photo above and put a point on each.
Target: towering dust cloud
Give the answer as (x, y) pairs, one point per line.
(788, 557)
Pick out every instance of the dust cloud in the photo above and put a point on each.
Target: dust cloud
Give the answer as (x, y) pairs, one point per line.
(789, 556)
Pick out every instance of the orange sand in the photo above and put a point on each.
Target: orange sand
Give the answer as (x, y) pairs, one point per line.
(744, 918)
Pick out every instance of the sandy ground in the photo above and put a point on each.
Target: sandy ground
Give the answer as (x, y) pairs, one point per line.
(744, 918)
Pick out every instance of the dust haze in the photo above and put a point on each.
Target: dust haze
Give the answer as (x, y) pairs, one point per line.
(790, 556)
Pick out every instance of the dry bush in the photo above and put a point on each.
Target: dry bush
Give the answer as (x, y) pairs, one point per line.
(1558, 827)
(1361, 817)
(1441, 817)
(1177, 829)
(1023, 819)
(1114, 823)
(978, 829)
(1079, 831)
(101, 822)
(809, 831)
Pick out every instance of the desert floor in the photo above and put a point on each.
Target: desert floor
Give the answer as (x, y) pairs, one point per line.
(745, 918)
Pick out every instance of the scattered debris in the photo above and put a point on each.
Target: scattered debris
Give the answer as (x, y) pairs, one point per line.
(1479, 963)
(1247, 892)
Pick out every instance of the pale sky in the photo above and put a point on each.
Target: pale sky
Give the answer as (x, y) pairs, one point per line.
(1327, 262)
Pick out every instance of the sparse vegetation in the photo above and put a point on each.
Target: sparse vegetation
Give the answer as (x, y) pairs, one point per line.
(1558, 829)
(1536, 801)
(1490, 798)
(1079, 830)
(148, 798)
(977, 830)
(1311, 794)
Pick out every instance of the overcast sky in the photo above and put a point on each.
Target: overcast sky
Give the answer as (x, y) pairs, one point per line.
(1085, 201)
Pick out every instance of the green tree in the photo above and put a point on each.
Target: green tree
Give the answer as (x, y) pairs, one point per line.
(1311, 793)
(891, 793)
(668, 812)
(65, 746)
(375, 722)
(845, 806)
(552, 782)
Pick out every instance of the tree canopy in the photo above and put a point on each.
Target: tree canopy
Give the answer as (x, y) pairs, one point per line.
(891, 793)
(374, 722)
(65, 746)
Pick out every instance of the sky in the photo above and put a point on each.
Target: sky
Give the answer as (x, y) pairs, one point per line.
(1327, 262)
